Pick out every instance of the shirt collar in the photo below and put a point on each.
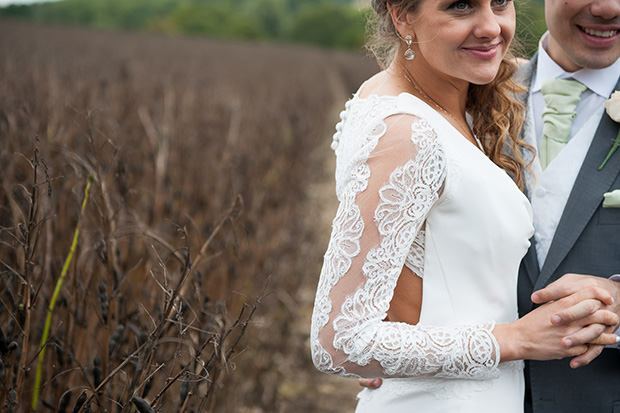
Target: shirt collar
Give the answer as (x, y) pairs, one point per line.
(600, 81)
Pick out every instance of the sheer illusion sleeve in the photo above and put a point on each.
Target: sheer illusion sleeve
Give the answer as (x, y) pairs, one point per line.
(388, 187)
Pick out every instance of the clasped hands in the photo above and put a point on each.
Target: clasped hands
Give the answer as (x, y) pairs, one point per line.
(587, 305)
(577, 317)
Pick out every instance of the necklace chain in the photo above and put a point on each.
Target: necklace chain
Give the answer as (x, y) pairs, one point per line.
(427, 97)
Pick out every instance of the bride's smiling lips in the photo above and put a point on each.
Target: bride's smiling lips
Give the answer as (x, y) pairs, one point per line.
(599, 36)
(486, 52)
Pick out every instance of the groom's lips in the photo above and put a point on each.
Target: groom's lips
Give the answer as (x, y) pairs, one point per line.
(486, 52)
(599, 36)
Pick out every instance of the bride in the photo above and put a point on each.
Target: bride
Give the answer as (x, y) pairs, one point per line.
(419, 280)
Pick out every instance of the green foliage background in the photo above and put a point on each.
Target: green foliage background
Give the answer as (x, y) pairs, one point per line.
(325, 23)
(530, 24)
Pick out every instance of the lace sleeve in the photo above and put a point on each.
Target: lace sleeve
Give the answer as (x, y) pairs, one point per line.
(388, 192)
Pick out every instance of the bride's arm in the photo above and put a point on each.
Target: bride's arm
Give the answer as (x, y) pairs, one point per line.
(388, 195)
(386, 199)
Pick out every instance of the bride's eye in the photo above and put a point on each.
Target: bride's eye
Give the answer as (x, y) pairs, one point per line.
(461, 5)
(501, 3)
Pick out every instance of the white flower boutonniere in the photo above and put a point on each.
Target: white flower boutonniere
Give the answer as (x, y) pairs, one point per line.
(612, 106)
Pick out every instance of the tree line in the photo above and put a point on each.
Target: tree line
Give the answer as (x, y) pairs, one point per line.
(325, 23)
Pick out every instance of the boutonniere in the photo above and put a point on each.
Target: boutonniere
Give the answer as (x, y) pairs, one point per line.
(612, 107)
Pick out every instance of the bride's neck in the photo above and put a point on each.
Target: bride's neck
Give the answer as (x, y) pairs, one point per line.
(447, 92)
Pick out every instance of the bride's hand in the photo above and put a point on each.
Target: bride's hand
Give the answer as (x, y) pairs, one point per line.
(568, 285)
(539, 336)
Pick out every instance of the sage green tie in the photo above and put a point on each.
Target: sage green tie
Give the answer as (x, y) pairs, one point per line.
(561, 98)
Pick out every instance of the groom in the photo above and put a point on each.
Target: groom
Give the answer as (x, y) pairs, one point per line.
(575, 234)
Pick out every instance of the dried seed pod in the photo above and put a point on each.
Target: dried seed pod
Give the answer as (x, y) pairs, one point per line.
(18, 355)
(103, 300)
(102, 251)
(10, 329)
(141, 405)
(63, 403)
(11, 402)
(23, 231)
(21, 315)
(147, 387)
(199, 279)
(184, 391)
(80, 402)
(117, 278)
(4, 348)
(116, 338)
(97, 371)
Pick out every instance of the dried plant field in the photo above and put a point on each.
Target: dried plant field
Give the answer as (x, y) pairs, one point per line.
(164, 207)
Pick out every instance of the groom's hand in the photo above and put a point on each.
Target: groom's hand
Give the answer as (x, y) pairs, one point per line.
(573, 286)
(580, 294)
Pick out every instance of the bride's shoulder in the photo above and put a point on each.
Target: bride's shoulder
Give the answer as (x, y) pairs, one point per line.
(399, 115)
(382, 91)
(381, 107)
(381, 84)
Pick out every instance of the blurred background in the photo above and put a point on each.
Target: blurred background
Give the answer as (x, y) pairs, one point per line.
(166, 198)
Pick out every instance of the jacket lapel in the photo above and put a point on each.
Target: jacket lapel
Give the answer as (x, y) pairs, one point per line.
(586, 196)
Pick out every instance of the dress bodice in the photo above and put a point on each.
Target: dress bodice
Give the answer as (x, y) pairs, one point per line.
(413, 191)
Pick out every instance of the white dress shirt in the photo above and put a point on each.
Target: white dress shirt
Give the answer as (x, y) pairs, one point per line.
(549, 189)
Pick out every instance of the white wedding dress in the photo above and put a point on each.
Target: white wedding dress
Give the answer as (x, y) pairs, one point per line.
(414, 192)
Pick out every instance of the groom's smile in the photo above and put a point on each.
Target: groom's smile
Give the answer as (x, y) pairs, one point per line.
(586, 33)
(599, 33)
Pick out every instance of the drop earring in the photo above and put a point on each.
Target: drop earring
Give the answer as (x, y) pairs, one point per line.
(409, 54)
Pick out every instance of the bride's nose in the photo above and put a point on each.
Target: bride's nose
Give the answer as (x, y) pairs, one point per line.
(487, 24)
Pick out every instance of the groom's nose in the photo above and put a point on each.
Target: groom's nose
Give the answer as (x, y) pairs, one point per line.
(606, 9)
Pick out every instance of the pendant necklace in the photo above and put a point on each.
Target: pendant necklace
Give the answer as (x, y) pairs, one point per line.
(427, 97)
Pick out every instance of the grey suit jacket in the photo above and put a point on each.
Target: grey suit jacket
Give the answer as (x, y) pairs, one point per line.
(587, 241)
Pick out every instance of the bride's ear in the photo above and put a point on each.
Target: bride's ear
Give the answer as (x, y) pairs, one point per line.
(401, 19)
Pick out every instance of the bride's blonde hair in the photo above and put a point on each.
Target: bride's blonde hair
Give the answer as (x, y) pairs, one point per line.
(496, 112)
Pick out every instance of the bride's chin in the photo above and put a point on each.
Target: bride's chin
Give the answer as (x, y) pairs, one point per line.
(482, 82)
(483, 79)
(483, 74)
